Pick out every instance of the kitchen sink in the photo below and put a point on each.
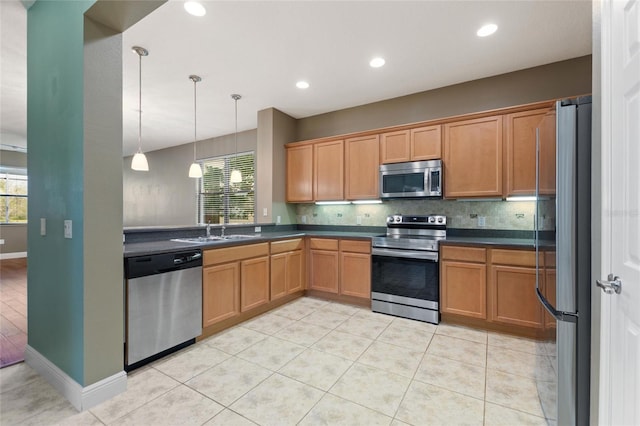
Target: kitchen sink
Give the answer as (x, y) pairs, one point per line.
(212, 238)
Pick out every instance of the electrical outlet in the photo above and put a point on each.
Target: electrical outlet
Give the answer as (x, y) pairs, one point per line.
(303, 218)
(278, 220)
(1, 241)
(358, 220)
(257, 229)
(43, 226)
(68, 229)
(482, 221)
(265, 212)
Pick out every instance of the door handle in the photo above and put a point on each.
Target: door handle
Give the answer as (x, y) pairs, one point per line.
(611, 285)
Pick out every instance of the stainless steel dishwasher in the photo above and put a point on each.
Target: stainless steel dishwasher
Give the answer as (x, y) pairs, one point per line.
(163, 305)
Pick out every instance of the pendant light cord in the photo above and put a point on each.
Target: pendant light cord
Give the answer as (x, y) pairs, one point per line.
(195, 119)
(139, 102)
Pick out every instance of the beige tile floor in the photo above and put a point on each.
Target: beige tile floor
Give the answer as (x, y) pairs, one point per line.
(313, 362)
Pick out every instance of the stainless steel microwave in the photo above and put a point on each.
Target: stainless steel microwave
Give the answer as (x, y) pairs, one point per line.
(411, 180)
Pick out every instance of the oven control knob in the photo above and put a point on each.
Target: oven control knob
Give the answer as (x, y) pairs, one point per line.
(398, 218)
(440, 220)
(432, 220)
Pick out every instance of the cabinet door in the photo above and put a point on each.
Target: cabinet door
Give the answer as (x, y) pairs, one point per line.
(295, 280)
(254, 283)
(513, 296)
(426, 143)
(324, 270)
(395, 147)
(362, 167)
(220, 293)
(300, 173)
(278, 275)
(463, 289)
(520, 140)
(473, 158)
(548, 154)
(328, 179)
(355, 274)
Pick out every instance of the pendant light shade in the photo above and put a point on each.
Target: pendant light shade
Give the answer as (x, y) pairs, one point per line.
(236, 175)
(139, 160)
(195, 171)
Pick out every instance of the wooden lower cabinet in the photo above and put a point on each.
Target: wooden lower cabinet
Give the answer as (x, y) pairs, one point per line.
(464, 289)
(513, 296)
(220, 293)
(493, 288)
(324, 270)
(254, 283)
(234, 280)
(287, 267)
(355, 268)
(463, 281)
(341, 267)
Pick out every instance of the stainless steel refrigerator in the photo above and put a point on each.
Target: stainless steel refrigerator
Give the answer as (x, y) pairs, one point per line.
(572, 306)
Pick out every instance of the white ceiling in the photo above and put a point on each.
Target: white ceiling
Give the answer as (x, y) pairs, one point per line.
(259, 49)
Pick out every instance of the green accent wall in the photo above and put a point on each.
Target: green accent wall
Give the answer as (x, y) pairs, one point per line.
(55, 42)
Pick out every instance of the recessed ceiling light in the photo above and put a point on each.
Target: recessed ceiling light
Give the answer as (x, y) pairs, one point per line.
(302, 85)
(195, 8)
(377, 62)
(487, 30)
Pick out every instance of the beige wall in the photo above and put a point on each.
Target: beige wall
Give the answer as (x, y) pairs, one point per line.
(560, 79)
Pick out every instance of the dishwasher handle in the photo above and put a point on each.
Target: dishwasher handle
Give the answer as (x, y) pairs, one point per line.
(180, 260)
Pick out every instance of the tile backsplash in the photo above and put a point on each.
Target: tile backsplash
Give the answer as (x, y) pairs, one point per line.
(511, 215)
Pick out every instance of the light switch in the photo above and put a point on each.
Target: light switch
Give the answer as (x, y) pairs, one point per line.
(303, 218)
(43, 226)
(278, 220)
(265, 212)
(1, 241)
(67, 229)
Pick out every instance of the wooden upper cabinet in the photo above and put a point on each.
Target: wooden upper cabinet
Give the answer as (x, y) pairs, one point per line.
(362, 167)
(473, 158)
(328, 162)
(520, 152)
(548, 153)
(395, 147)
(421, 143)
(300, 173)
(426, 143)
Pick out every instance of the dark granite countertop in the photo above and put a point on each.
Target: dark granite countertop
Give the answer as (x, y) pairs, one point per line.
(163, 244)
(497, 242)
(168, 246)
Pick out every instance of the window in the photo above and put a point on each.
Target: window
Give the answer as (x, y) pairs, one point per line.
(13, 195)
(222, 198)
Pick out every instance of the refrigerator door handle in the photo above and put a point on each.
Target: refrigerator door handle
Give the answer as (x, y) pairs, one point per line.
(558, 315)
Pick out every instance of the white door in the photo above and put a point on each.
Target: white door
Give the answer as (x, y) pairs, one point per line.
(620, 332)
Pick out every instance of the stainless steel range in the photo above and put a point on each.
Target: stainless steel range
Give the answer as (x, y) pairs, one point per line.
(405, 267)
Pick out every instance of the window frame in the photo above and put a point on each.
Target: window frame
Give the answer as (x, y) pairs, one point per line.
(13, 173)
(226, 194)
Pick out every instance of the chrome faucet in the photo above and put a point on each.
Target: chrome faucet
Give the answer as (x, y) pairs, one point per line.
(223, 228)
(208, 229)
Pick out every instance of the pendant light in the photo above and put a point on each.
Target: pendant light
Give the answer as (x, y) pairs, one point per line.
(236, 176)
(139, 160)
(195, 171)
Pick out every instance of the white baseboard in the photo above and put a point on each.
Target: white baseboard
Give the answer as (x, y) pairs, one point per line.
(82, 398)
(14, 255)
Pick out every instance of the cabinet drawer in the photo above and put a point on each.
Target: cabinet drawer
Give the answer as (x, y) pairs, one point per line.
(230, 254)
(469, 254)
(514, 257)
(355, 246)
(550, 259)
(286, 245)
(323, 244)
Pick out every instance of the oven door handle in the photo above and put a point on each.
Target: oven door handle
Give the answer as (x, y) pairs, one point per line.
(409, 254)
